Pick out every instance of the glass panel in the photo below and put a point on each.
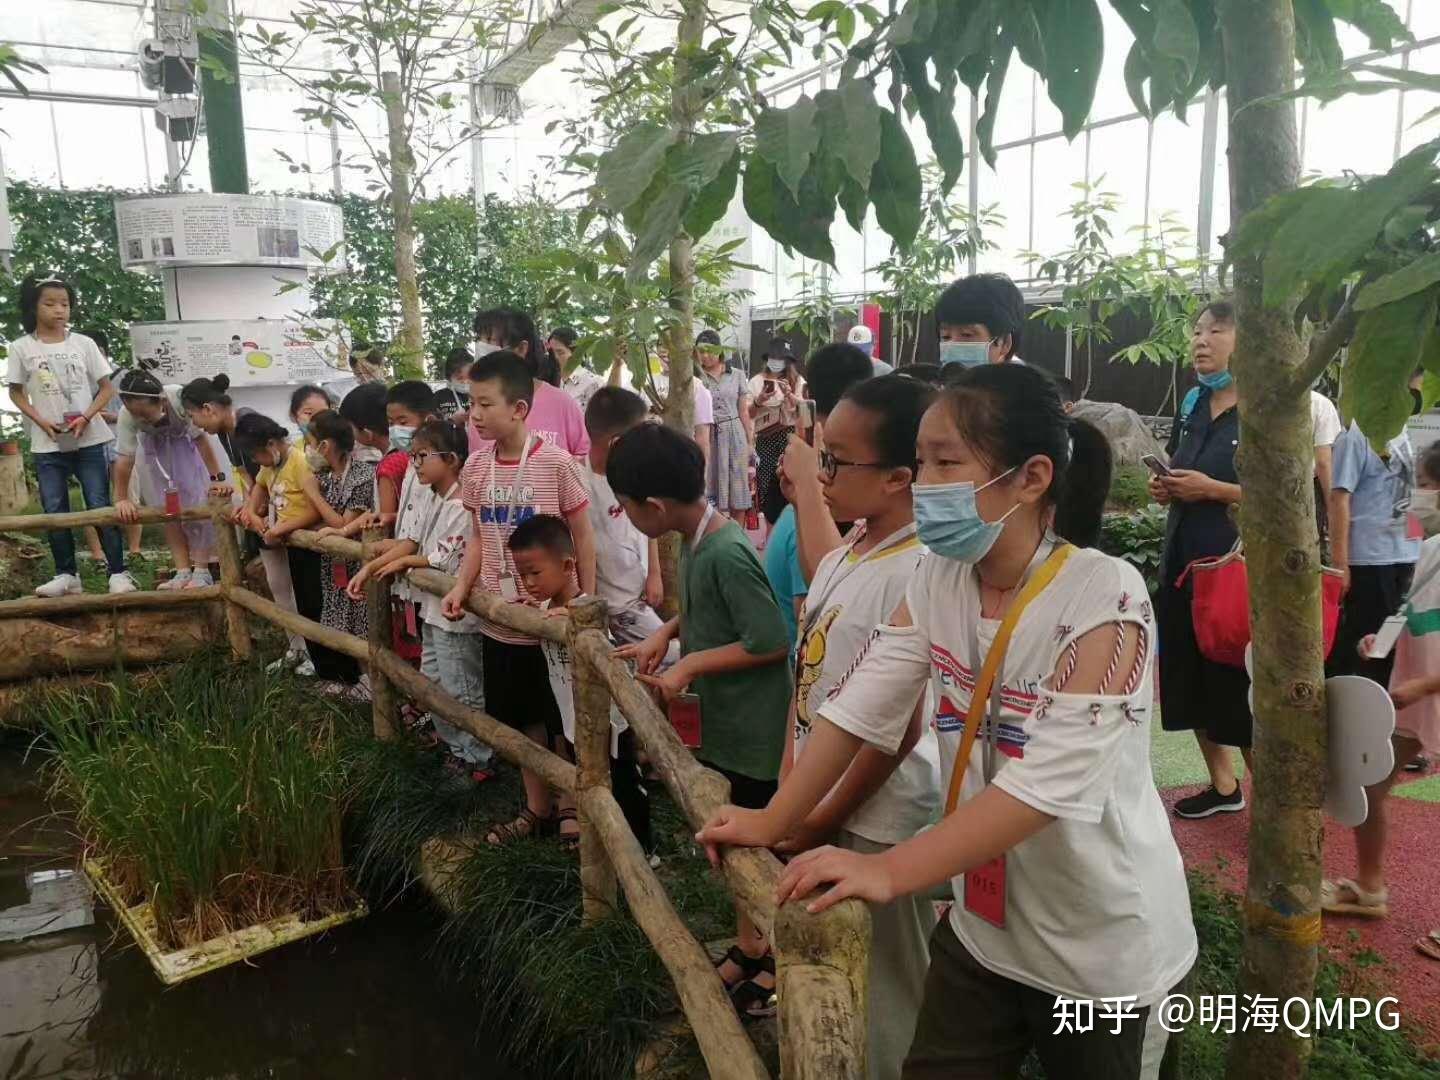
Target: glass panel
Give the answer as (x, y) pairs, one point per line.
(1175, 169)
(1007, 188)
(1351, 134)
(1117, 165)
(1059, 166)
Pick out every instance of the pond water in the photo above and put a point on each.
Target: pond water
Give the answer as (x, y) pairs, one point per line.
(79, 1002)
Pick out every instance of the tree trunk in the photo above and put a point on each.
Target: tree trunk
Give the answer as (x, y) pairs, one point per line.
(64, 644)
(224, 113)
(411, 352)
(1277, 523)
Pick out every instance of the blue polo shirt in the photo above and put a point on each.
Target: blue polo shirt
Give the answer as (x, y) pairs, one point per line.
(782, 567)
(1376, 486)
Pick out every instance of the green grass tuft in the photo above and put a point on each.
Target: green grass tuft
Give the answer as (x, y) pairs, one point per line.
(215, 791)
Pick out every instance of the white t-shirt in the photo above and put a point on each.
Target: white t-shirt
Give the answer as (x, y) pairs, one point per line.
(581, 385)
(59, 377)
(418, 503)
(704, 400)
(848, 598)
(562, 685)
(442, 537)
(1324, 418)
(1096, 903)
(771, 408)
(622, 553)
(127, 428)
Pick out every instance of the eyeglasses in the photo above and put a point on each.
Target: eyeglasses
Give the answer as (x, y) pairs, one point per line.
(419, 457)
(830, 464)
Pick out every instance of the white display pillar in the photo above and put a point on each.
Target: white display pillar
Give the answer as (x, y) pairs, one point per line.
(236, 272)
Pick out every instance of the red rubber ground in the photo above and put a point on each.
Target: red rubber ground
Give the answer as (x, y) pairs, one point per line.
(1218, 845)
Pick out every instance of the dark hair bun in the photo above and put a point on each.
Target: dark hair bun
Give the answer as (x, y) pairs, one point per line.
(220, 383)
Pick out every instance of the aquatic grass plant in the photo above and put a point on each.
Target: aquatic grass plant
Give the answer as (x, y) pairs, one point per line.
(216, 792)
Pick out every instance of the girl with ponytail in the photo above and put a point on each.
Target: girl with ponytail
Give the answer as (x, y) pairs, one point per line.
(207, 403)
(1057, 847)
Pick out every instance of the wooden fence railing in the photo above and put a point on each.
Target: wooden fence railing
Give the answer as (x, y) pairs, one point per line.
(822, 960)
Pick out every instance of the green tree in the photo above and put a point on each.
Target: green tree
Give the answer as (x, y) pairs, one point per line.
(404, 58)
(842, 150)
(72, 233)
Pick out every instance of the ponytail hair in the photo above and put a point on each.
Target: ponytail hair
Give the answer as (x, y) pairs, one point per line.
(198, 393)
(1009, 413)
(1084, 484)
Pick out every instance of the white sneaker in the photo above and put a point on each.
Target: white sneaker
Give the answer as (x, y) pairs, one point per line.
(305, 669)
(178, 581)
(123, 583)
(199, 579)
(60, 585)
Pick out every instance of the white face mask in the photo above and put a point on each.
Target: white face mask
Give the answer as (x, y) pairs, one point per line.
(1425, 505)
(775, 367)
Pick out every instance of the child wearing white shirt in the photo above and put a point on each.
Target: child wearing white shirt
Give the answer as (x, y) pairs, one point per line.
(433, 536)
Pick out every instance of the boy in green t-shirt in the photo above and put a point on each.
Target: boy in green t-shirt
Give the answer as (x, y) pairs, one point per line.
(733, 647)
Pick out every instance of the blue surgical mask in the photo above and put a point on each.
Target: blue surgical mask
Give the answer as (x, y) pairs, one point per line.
(965, 353)
(1216, 380)
(305, 427)
(949, 523)
(400, 436)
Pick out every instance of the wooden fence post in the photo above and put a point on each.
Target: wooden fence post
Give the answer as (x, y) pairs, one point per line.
(823, 975)
(227, 551)
(592, 759)
(385, 708)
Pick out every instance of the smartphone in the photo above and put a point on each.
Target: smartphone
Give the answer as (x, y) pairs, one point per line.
(1155, 465)
(805, 421)
(685, 719)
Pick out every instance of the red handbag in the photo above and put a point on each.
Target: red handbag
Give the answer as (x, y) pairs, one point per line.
(1220, 606)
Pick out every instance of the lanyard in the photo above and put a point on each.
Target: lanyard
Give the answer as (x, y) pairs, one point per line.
(515, 487)
(844, 568)
(435, 516)
(989, 683)
(700, 532)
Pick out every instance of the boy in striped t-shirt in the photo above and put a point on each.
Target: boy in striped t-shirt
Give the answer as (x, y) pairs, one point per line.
(516, 477)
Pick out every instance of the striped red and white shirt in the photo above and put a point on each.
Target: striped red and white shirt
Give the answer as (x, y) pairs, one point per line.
(550, 484)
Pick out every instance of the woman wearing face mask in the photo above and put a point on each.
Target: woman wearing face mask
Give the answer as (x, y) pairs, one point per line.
(775, 396)
(305, 402)
(727, 468)
(182, 469)
(1197, 694)
(453, 401)
(1066, 876)
(1415, 689)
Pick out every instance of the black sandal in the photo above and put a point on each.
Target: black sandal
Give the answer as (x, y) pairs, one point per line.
(749, 966)
(527, 824)
(569, 841)
(753, 1001)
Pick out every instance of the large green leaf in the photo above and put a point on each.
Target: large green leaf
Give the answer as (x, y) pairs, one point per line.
(937, 109)
(699, 161)
(1176, 36)
(1417, 276)
(787, 138)
(1430, 361)
(657, 230)
(1322, 241)
(1317, 46)
(895, 184)
(711, 201)
(849, 122)
(985, 126)
(1074, 49)
(1386, 348)
(1376, 19)
(624, 172)
(796, 224)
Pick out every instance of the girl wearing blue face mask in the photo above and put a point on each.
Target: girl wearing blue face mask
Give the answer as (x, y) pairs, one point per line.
(1054, 841)
(1197, 694)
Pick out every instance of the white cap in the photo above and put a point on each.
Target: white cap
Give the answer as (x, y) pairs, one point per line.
(860, 335)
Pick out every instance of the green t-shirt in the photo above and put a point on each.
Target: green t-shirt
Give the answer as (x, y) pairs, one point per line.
(725, 598)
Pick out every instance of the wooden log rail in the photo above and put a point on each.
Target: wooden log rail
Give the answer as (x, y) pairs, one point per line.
(822, 961)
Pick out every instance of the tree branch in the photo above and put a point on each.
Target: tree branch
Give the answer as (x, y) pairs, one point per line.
(1324, 345)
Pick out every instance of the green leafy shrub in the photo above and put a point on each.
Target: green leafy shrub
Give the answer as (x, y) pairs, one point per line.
(1138, 537)
(1129, 488)
(216, 792)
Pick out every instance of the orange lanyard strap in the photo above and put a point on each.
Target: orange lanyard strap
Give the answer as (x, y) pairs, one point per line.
(991, 668)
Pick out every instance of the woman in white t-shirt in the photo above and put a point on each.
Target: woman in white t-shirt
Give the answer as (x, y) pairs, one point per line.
(1067, 880)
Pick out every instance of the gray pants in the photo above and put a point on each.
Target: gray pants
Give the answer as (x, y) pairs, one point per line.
(453, 660)
(899, 959)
